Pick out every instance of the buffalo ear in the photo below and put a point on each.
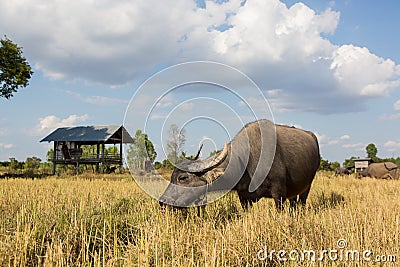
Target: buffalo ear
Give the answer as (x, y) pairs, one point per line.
(198, 153)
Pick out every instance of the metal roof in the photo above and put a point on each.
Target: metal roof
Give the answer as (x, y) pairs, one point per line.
(362, 159)
(107, 134)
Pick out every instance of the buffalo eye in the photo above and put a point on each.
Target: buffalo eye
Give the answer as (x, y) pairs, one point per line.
(183, 178)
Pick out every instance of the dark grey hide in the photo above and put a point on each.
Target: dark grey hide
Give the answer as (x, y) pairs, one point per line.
(382, 170)
(342, 171)
(253, 166)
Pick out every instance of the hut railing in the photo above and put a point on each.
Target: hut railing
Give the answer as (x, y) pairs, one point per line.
(74, 155)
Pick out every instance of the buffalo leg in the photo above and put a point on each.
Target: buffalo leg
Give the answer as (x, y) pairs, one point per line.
(294, 201)
(303, 196)
(301, 199)
(278, 193)
(387, 176)
(245, 202)
(279, 201)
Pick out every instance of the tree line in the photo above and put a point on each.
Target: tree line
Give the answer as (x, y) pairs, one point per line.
(31, 167)
(371, 151)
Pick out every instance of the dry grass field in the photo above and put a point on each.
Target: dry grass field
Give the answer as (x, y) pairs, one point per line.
(109, 221)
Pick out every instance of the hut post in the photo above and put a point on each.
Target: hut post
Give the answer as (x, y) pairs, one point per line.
(120, 157)
(98, 150)
(102, 160)
(53, 171)
(98, 156)
(76, 168)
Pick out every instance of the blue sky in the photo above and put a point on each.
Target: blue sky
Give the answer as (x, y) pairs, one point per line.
(326, 66)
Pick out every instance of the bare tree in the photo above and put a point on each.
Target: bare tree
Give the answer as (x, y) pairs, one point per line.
(175, 143)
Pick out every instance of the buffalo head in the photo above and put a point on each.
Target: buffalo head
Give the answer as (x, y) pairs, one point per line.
(190, 179)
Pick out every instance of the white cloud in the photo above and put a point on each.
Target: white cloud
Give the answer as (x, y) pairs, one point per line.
(273, 92)
(102, 41)
(158, 117)
(97, 100)
(392, 145)
(353, 69)
(396, 105)
(165, 102)
(333, 142)
(326, 140)
(253, 102)
(241, 104)
(345, 137)
(356, 145)
(187, 106)
(321, 137)
(103, 100)
(278, 100)
(6, 146)
(265, 30)
(3, 132)
(394, 116)
(279, 47)
(51, 122)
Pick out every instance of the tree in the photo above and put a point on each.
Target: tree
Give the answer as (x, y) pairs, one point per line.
(349, 163)
(324, 165)
(214, 152)
(15, 71)
(151, 152)
(50, 155)
(32, 165)
(157, 165)
(335, 165)
(175, 143)
(371, 152)
(166, 164)
(111, 151)
(141, 150)
(14, 165)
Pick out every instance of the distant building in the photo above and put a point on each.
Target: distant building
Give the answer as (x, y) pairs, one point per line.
(361, 164)
(69, 140)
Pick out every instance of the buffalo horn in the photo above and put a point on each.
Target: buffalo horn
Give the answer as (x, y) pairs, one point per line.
(198, 153)
(209, 163)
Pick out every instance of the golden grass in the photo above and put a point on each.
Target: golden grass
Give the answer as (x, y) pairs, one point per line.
(108, 221)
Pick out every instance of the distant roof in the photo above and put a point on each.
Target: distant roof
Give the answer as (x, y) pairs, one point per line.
(107, 134)
(362, 159)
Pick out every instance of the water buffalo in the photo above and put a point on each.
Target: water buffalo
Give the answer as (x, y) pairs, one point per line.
(341, 171)
(256, 170)
(382, 170)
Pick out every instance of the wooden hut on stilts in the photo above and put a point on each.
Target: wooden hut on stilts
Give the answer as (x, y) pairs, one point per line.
(68, 143)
